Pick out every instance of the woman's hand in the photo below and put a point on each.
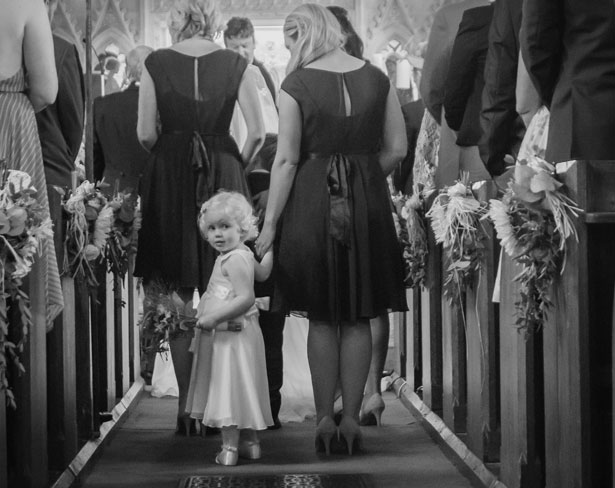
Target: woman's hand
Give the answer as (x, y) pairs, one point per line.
(265, 240)
(259, 203)
(206, 322)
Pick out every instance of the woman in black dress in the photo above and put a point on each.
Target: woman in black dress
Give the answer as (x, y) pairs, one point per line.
(338, 259)
(186, 103)
(372, 405)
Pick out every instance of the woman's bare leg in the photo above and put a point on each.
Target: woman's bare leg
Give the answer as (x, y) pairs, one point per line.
(380, 346)
(355, 354)
(323, 357)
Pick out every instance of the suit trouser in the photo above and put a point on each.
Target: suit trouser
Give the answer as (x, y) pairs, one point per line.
(59, 224)
(272, 327)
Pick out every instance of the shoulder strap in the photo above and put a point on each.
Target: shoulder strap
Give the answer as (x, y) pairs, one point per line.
(245, 254)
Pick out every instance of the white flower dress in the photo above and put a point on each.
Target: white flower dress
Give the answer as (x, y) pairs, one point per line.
(228, 384)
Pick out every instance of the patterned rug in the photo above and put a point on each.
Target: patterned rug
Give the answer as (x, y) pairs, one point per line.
(278, 481)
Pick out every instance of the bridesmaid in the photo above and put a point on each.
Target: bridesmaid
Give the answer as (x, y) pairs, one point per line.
(191, 88)
(338, 258)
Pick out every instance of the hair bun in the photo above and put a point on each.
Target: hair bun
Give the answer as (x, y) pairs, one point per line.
(197, 17)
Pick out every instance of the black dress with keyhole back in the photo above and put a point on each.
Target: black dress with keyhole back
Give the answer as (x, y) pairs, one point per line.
(338, 257)
(193, 158)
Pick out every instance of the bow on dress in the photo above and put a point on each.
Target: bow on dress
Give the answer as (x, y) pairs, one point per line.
(339, 198)
(203, 168)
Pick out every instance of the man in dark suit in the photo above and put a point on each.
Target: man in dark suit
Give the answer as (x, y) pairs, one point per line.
(118, 155)
(502, 127)
(432, 87)
(413, 116)
(239, 37)
(464, 87)
(568, 47)
(60, 128)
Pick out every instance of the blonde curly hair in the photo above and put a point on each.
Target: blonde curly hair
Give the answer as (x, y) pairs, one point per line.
(316, 32)
(194, 18)
(236, 207)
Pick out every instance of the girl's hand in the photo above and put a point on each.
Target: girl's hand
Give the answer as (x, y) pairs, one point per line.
(206, 322)
(265, 240)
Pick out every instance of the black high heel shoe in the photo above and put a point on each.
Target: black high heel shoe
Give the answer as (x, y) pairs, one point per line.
(186, 426)
(325, 431)
(350, 433)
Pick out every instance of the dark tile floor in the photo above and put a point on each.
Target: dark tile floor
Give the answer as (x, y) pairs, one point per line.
(144, 452)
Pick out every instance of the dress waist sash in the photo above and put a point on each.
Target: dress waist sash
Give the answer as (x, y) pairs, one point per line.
(202, 165)
(339, 172)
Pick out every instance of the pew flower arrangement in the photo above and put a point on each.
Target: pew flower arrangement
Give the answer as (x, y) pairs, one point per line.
(165, 316)
(89, 225)
(456, 222)
(409, 218)
(23, 225)
(125, 224)
(533, 221)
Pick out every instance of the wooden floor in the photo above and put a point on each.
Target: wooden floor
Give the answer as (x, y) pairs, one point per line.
(144, 452)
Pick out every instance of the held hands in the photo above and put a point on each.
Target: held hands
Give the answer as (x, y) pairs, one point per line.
(265, 240)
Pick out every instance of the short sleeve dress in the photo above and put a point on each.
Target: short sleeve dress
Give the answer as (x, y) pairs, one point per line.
(193, 158)
(338, 257)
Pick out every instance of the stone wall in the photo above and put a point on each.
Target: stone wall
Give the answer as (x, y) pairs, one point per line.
(127, 23)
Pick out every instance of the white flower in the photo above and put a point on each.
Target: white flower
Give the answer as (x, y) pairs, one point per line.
(22, 268)
(457, 190)
(498, 213)
(102, 227)
(397, 225)
(20, 180)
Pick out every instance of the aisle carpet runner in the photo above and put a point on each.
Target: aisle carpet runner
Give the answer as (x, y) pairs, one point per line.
(278, 481)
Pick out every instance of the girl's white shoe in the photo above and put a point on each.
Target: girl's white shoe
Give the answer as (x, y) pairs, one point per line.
(250, 449)
(227, 456)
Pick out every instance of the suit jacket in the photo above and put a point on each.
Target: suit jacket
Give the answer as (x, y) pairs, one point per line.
(60, 125)
(268, 79)
(502, 127)
(413, 117)
(465, 80)
(568, 47)
(437, 56)
(118, 155)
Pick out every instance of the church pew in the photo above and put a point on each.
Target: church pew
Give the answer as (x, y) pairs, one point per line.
(453, 362)
(62, 377)
(412, 323)
(519, 457)
(578, 338)
(27, 424)
(431, 328)
(482, 350)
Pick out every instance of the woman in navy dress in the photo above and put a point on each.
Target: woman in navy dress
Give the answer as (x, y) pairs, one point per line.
(329, 211)
(186, 102)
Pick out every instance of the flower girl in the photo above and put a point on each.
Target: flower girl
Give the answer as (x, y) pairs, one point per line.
(228, 386)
